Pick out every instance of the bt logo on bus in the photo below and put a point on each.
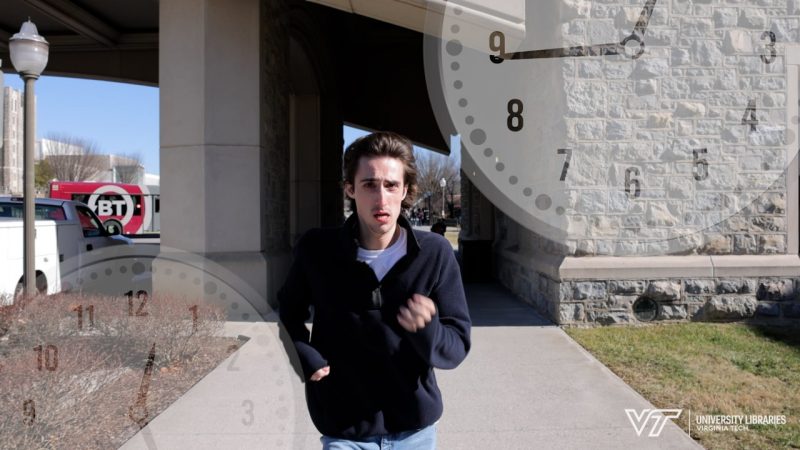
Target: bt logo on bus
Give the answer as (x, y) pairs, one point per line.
(110, 207)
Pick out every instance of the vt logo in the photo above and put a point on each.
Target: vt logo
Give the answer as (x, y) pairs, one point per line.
(658, 416)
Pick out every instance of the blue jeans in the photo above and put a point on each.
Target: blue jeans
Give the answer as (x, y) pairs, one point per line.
(422, 439)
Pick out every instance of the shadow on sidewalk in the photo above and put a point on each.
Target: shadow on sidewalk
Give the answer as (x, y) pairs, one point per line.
(492, 305)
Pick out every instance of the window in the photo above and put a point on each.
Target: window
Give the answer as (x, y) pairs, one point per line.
(91, 225)
(42, 212)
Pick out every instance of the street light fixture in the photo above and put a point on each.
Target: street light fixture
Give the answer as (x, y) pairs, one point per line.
(29, 53)
(443, 183)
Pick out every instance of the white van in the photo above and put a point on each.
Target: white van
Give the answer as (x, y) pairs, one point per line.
(67, 232)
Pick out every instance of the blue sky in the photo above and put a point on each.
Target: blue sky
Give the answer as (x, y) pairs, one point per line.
(121, 118)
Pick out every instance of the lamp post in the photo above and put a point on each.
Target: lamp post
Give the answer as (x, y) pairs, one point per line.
(443, 183)
(29, 53)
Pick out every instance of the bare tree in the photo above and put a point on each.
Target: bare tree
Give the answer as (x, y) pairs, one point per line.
(128, 172)
(71, 158)
(431, 168)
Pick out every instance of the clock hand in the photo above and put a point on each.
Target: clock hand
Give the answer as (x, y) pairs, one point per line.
(497, 42)
(138, 411)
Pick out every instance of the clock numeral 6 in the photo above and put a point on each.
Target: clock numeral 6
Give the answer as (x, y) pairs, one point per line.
(700, 165)
(769, 47)
(514, 120)
(632, 185)
(568, 152)
(751, 112)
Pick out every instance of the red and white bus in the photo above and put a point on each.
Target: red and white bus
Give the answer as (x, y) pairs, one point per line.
(130, 207)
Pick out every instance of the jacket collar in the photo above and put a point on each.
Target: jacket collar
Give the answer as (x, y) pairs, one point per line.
(349, 233)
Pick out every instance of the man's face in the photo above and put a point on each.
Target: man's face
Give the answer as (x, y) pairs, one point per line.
(378, 191)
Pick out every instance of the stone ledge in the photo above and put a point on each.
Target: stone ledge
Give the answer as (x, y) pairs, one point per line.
(562, 268)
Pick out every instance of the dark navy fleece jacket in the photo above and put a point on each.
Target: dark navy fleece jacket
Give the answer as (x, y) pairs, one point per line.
(381, 376)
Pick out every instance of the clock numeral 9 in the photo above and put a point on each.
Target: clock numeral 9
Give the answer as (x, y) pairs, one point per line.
(632, 186)
(497, 43)
(29, 411)
(770, 47)
(700, 165)
(568, 152)
(50, 357)
(751, 112)
(514, 120)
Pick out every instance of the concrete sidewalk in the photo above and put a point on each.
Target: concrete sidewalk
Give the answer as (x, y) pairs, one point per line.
(524, 385)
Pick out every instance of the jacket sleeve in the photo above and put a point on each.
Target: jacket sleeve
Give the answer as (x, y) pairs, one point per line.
(445, 341)
(294, 301)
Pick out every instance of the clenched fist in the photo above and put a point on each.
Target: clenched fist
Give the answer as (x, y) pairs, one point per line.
(321, 373)
(418, 313)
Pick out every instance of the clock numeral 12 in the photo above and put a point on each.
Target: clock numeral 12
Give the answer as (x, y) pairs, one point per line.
(568, 152)
(750, 111)
(140, 295)
(514, 114)
(632, 185)
(700, 165)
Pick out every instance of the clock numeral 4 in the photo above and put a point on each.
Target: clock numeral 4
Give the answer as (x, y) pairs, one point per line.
(514, 120)
(700, 165)
(749, 117)
(632, 185)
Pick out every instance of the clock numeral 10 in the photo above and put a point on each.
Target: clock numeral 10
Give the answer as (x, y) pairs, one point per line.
(50, 353)
(700, 165)
(632, 185)
(751, 112)
(29, 411)
(514, 120)
(770, 47)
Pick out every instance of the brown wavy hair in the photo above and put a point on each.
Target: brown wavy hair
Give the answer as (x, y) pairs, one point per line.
(378, 144)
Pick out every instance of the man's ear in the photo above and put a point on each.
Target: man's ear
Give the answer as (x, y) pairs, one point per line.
(348, 189)
(405, 191)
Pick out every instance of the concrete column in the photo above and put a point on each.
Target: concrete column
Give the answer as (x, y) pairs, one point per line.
(223, 152)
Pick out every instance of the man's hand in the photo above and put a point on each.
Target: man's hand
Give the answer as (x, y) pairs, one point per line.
(417, 314)
(321, 373)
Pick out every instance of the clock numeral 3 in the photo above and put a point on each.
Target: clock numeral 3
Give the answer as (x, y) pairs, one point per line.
(514, 121)
(632, 185)
(769, 47)
(751, 112)
(700, 165)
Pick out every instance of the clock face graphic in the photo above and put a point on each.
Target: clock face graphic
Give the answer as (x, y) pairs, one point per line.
(101, 360)
(625, 128)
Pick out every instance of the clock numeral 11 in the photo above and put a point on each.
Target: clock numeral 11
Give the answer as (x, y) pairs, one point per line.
(79, 310)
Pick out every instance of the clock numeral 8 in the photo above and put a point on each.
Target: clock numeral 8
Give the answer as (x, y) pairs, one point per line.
(700, 165)
(632, 186)
(514, 114)
(771, 47)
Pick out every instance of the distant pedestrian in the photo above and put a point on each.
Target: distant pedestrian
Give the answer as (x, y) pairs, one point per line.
(389, 307)
(439, 227)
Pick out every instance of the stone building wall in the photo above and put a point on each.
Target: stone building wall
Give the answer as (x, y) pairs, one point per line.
(11, 146)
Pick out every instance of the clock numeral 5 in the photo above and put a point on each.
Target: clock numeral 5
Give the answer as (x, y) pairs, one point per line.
(514, 120)
(632, 185)
(700, 165)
